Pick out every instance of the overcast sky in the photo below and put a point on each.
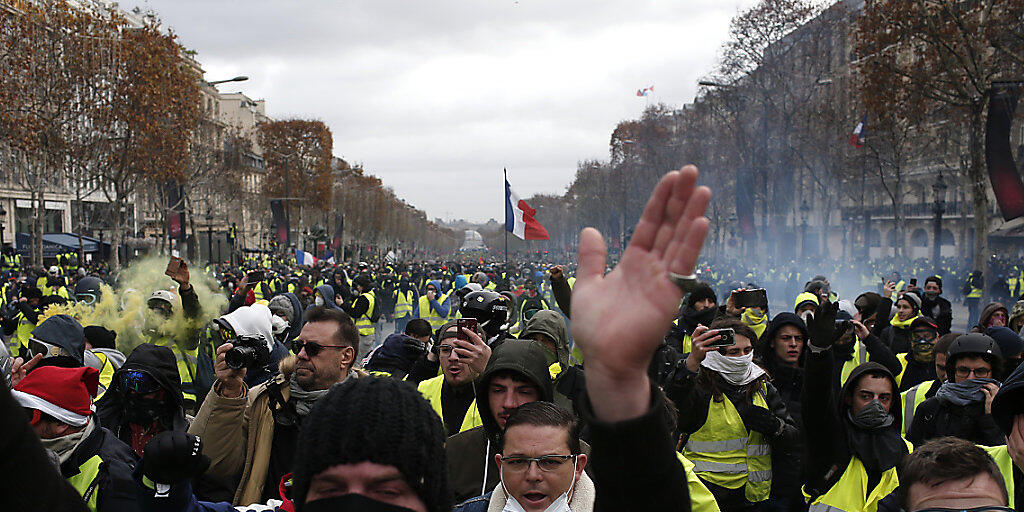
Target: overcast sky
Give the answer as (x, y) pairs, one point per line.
(435, 97)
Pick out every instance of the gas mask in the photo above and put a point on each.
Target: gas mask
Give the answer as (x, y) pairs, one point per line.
(872, 416)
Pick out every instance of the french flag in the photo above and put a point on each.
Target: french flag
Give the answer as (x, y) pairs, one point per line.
(858, 136)
(519, 218)
(305, 258)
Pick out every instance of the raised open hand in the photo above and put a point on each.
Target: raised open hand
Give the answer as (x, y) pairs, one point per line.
(619, 319)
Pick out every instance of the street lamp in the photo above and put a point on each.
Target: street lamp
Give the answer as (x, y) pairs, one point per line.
(804, 210)
(3, 217)
(235, 79)
(938, 208)
(209, 236)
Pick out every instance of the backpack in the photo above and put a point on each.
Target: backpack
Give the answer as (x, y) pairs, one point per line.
(375, 315)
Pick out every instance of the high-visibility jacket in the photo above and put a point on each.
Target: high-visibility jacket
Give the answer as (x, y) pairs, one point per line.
(902, 358)
(848, 494)
(701, 499)
(107, 370)
(87, 481)
(1005, 464)
(363, 323)
(428, 313)
(726, 454)
(19, 342)
(431, 390)
(860, 356)
(187, 361)
(975, 293)
(403, 303)
(912, 398)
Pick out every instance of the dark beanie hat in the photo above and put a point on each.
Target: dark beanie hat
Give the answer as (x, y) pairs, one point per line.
(1009, 342)
(100, 337)
(700, 292)
(385, 421)
(867, 303)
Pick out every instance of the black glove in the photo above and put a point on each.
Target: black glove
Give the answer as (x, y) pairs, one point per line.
(822, 326)
(173, 457)
(759, 419)
(414, 347)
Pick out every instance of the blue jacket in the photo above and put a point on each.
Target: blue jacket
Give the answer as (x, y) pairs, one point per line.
(478, 504)
(442, 308)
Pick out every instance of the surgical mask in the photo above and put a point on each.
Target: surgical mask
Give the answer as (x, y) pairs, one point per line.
(279, 324)
(561, 504)
(319, 301)
(931, 294)
(352, 503)
(924, 351)
(872, 416)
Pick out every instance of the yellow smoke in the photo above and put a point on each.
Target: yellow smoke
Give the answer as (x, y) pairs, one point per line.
(123, 309)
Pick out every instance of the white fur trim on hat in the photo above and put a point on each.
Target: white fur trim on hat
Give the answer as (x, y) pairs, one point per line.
(34, 402)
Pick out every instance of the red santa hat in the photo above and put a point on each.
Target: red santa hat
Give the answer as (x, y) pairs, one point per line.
(64, 393)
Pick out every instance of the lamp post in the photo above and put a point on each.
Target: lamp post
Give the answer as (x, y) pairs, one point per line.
(209, 236)
(235, 79)
(938, 208)
(3, 218)
(804, 210)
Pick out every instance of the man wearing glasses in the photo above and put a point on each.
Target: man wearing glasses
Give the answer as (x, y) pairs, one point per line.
(451, 394)
(962, 407)
(540, 464)
(250, 434)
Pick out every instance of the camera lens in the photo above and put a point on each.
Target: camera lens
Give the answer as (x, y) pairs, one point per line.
(240, 357)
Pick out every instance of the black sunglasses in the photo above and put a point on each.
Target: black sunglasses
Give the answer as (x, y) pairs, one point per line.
(312, 349)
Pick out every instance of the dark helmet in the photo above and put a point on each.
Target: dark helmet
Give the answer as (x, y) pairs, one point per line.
(975, 344)
(88, 290)
(489, 308)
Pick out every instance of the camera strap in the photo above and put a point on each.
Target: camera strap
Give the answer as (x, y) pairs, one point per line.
(283, 411)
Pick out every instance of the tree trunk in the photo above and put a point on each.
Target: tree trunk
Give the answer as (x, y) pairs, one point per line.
(116, 234)
(979, 193)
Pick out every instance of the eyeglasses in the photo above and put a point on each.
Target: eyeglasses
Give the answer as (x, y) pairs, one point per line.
(981, 373)
(37, 347)
(446, 349)
(546, 463)
(138, 381)
(975, 509)
(312, 349)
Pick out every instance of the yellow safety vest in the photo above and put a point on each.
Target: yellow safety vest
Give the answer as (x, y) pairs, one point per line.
(912, 398)
(363, 323)
(848, 494)
(187, 362)
(403, 304)
(903, 364)
(87, 480)
(19, 343)
(726, 454)
(1005, 464)
(428, 313)
(860, 356)
(431, 390)
(106, 374)
(975, 293)
(701, 499)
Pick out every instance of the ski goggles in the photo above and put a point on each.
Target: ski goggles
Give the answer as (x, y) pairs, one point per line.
(138, 381)
(37, 347)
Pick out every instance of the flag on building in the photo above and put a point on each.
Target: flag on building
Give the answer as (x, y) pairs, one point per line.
(305, 258)
(645, 91)
(519, 218)
(858, 135)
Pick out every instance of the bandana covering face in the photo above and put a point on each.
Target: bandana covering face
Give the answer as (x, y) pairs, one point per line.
(737, 371)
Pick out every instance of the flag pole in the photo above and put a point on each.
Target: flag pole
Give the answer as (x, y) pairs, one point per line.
(503, 185)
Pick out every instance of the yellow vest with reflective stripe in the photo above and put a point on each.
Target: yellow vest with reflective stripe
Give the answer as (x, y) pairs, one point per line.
(726, 454)
(912, 398)
(106, 374)
(363, 323)
(1005, 463)
(19, 342)
(848, 494)
(86, 481)
(975, 293)
(903, 364)
(701, 499)
(403, 304)
(428, 313)
(860, 356)
(431, 390)
(187, 361)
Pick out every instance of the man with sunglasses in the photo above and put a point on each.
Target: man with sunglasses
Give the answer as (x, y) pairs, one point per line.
(540, 464)
(251, 434)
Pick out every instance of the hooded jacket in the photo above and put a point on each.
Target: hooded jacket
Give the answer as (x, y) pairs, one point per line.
(396, 355)
(442, 308)
(568, 380)
(254, 321)
(159, 362)
(295, 326)
(1008, 403)
(467, 451)
(987, 313)
(65, 332)
(831, 439)
(787, 462)
(327, 292)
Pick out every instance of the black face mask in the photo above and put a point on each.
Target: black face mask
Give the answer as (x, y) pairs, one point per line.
(142, 411)
(351, 503)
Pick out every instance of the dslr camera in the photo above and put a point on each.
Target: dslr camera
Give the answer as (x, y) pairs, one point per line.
(247, 352)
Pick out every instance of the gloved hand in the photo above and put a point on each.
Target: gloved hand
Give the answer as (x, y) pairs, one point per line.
(414, 347)
(822, 326)
(759, 419)
(173, 457)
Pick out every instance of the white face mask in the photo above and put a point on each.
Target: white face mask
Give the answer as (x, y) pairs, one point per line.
(561, 504)
(319, 301)
(279, 324)
(737, 370)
